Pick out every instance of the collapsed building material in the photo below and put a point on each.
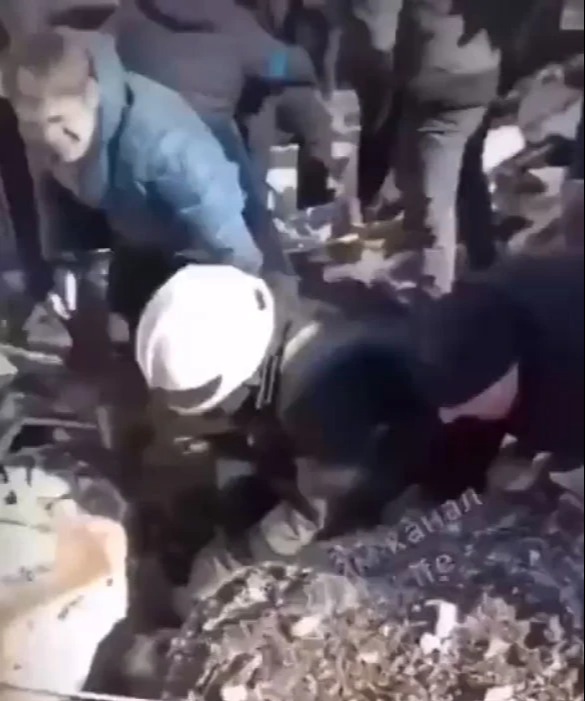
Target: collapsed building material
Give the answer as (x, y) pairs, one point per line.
(479, 600)
(63, 584)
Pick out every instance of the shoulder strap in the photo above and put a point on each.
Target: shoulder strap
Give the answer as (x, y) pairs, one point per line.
(270, 372)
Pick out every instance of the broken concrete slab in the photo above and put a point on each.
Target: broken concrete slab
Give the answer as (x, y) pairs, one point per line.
(7, 370)
(573, 482)
(63, 582)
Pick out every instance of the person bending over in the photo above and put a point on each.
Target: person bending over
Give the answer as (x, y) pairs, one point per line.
(503, 353)
(132, 149)
(321, 403)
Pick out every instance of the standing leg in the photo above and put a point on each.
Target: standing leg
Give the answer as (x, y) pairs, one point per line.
(303, 113)
(576, 172)
(380, 119)
(257, 122)
(432, 145)
(572, 216)
(475, 216)
(367, 55)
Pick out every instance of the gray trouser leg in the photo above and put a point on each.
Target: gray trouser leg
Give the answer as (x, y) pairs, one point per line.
(429, 164)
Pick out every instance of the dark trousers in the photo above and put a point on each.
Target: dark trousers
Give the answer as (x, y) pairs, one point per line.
(576, 171)
(416, 127)
(296, 112)
(572, 216)
(474, 211)
(19, 191)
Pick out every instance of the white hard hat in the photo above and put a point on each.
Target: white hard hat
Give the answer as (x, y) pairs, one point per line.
(206, 322)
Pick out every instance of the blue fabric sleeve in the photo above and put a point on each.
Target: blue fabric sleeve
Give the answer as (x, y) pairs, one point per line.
(198, 189)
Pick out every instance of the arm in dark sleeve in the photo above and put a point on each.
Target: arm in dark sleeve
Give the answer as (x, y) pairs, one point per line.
(460, 457)
(69, 226)
(199, 190)
(265, 57)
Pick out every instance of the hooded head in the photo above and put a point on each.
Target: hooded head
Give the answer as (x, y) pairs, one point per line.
(51, 83)
(203, 335)
(470, 354)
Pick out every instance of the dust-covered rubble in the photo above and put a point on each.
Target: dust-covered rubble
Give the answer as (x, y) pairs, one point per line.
(63, 580)
(486, 607)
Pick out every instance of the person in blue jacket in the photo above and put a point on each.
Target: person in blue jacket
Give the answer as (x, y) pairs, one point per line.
(132, 149)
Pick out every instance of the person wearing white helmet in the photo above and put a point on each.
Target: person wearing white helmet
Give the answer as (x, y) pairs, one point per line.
(204, 334)
(324, 403)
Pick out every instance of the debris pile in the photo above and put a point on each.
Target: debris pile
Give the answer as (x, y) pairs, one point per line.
(485, 607)
(63, 571)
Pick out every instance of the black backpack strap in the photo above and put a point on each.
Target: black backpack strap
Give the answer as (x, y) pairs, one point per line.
(267, 394)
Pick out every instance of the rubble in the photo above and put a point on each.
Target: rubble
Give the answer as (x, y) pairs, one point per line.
(63, 582)
(482, 604)
(476, 600)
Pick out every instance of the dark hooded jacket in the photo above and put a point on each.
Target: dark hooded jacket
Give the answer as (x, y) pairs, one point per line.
(529, 311)
(441, 51)
(205, 50)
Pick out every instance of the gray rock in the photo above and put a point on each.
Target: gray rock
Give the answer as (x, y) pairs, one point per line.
(63, 574)
(7, 370)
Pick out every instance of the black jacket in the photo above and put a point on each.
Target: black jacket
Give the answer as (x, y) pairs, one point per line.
(527, 311)
(548, 292)
(205, 50)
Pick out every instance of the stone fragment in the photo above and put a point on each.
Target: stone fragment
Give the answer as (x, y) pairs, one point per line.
(63, 584)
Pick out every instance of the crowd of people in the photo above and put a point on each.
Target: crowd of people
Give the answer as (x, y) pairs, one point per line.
(149, 134)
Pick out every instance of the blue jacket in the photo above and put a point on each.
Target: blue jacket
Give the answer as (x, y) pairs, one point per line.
(159, 174)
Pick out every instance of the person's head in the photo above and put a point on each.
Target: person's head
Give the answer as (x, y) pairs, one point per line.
(50, 83)
(470, 354)
(203, 335)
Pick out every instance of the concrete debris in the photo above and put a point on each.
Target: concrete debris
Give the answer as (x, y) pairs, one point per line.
(62, 575)
(573, 481)
(503, 693)
(234, 693)
(7, 370)
(476, 600)
(465, 611)
(305, 626)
